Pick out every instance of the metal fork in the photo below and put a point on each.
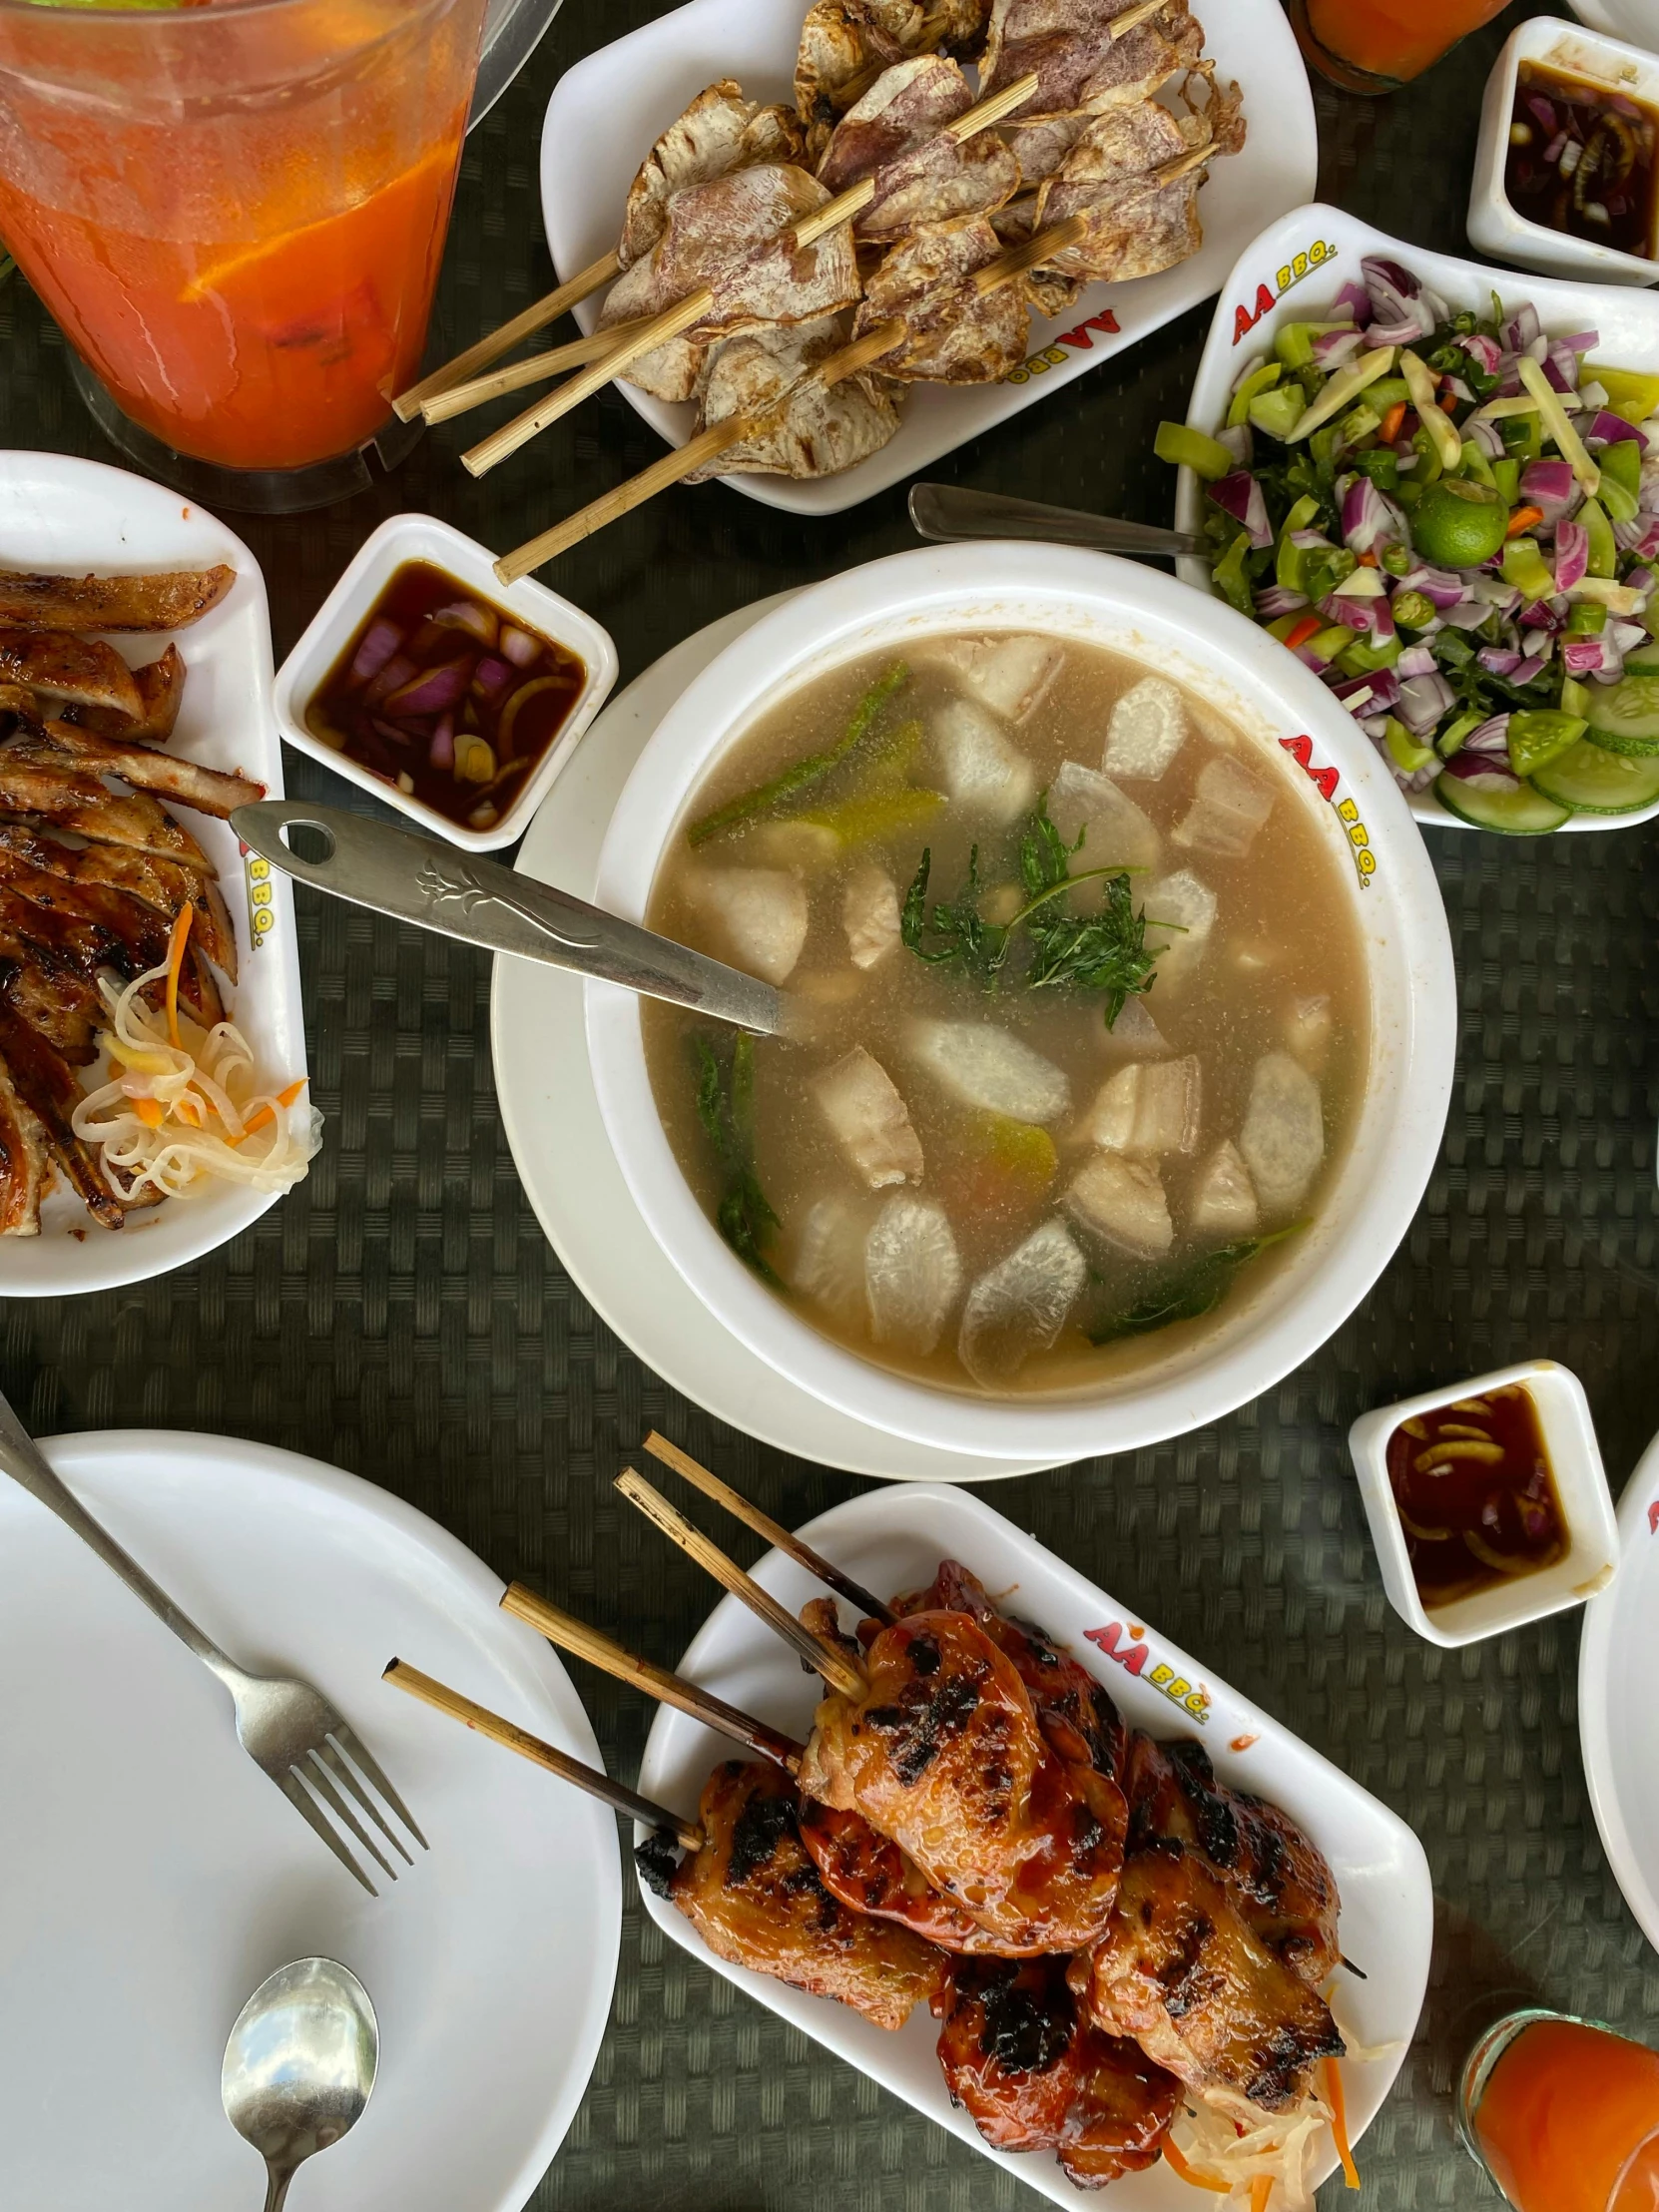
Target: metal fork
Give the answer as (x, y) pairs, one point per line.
(284, 1726)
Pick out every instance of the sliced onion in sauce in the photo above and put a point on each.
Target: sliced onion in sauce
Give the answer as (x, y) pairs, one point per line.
(520, 646)
(442, 753)
(511, 711)
(492, 678)
(467, 614)
(374, 649)
(434, 690)
(398, 671)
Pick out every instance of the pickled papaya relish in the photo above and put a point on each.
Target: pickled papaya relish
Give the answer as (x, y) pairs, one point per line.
(1453, 520)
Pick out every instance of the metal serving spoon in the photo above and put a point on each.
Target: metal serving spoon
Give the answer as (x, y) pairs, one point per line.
(300, 2065)
(948, 512)
(414, 878)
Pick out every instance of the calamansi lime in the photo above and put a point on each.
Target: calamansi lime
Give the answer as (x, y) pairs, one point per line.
(1458, 523)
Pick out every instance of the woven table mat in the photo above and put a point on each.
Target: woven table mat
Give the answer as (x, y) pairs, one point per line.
(401, 1315)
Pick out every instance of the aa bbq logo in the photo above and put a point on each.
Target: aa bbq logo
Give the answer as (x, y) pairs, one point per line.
(1325, 781)
(1298, 266)
(1130, 1650)
(1079, 341)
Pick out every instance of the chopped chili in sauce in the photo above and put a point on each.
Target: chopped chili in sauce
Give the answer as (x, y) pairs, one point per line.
(447, 695)
(1475, 1495)
(1581, 159)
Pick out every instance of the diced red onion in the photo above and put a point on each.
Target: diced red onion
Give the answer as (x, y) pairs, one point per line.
(1370, 518)
(1306, 540)
(1458, 390)
(1422, 701)
(1572, 553)
(398, 671)
(1540, 615)
(442, 753)
(1354, 613)
(1628, 536)
(1238, 440)
(1561, 369)
(1468, 614)
(1417, 660)
(492, 678)
(1487, 438)
(1375, 726)
(1499, 662)
(1491, 738)
(1485, 353)
(1581, 342)
(1533, 664)
(1522, 327)
(1549, 485)
(1376, 693)
(1627, 635)
(1336, 348)
(1310, 659)
(433, 690)
(1543, 110)
(1237, 494)
(1444, 587)
(374, 649)
(1492, 591)
(1612, 429)
(468, 615)
(1353, 299)
(522, 648)
(1483, 769)
(1641, 579)
(1584, 656)
(1278, 599)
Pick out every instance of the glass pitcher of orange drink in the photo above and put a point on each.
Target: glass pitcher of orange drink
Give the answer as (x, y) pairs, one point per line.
(1563, 2114)
(1379, 45)
(236, 210)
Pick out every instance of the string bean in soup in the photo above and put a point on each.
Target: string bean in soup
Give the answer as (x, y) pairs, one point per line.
(1090, 1016)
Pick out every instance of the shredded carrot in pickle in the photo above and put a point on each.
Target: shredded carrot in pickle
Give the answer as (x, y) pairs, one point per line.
(264, 1114)
(175, 962)
(1524, 519)
(1260, 2189)
(149, 1111)
(1338, 2121)
(1191, 2173)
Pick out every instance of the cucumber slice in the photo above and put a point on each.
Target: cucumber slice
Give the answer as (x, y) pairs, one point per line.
(1516, 811)
(1624, 716)
(1592, 781)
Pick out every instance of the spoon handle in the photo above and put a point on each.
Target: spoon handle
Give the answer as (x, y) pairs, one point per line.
(948, 512)
(277, 2186)
(458, 894)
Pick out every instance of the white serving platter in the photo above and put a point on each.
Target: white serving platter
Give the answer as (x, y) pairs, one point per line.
(556, 1133)
(1292, 271)
(1635, 21)
(1617, 1726)
(153, 1875)
(608, 109)
(894, 1540)
(79, 517)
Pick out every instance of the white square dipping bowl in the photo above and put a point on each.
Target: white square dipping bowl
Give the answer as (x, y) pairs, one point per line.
(1580, 1483)
(403, 538)
(1494, 226)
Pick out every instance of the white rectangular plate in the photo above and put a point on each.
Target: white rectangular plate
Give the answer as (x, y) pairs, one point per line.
(79, 518)
(606, 111)
(1293, 271)
(894, 1540)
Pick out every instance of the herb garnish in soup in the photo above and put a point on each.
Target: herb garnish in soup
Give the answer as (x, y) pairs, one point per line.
(1089, 1010)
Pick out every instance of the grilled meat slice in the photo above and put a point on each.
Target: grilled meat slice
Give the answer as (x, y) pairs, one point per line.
(943, 1753)
(161, 688)
(1033, 2075)
(1074, 1711)
(755, 1897)
(954, 334)
(895, 133)
(1280, 1882)
(1180, 1970)
(36, 781)
(47, 1086)
(719, 131)
(25, 1168)
(869, 1873)
(54, 665)
(161, 602)
(138, 931)
(162, 885)
(208, 790)
(1078, 62)
(804, 427)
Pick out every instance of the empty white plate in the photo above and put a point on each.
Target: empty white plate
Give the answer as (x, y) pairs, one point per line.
(1617, 1726)
(153, 1875)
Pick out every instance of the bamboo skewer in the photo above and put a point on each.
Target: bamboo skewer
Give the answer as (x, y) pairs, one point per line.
(821, 1657)
(616, 1794)
(1132, 18)
(673, 321)
(496, 383)
(773, 1532)
(533, 318)
(575, 1636)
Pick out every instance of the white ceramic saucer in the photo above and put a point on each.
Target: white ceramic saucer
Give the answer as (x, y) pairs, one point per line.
(539, 1042)
(1616, 1725)
(154, 1877)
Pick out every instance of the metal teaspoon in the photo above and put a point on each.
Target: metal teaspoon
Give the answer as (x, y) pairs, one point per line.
(300, 2065)
(948, 512)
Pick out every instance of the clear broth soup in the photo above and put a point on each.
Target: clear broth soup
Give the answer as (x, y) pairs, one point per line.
(1071, 1092)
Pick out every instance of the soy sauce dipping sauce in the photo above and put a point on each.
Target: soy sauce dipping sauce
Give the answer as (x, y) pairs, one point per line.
(1476, 1493)
(447, 695)
(1581, 159)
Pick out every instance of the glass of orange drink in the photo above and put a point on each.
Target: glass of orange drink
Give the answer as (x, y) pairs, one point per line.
(1378, 44)
(1563, 2114)
(234, 210)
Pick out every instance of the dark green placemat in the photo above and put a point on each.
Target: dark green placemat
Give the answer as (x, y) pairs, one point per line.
(401, 1313)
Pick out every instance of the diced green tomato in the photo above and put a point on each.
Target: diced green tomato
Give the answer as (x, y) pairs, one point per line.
(1523, 437)
(1554, 418)
(1624, 716)
(1403, 749)
(1506, 476)
(1397, 560)
(1359, 422)
(1184, 447)
(1604, 551)
(1620, 505)
(1624, 600)
(1523, 566)
(1232, 580)
(1592, 781)
(1387, 392)
(1327, 643)
(1575, 697)
(1451, 739)
(1622, 461)
(1322, 449)
(1344, 387)
(1515, 811)
(1366, 655)
(1281, 625)
(1259, 380)
(1290, 562)
(1295, 342)
(1586, 618)
(1539, 735)
(1275, 414)
(1382, 464)
(1421, 384)
(1475, 464)
(1428, 469)
(1414, 609)
(1629, 392)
